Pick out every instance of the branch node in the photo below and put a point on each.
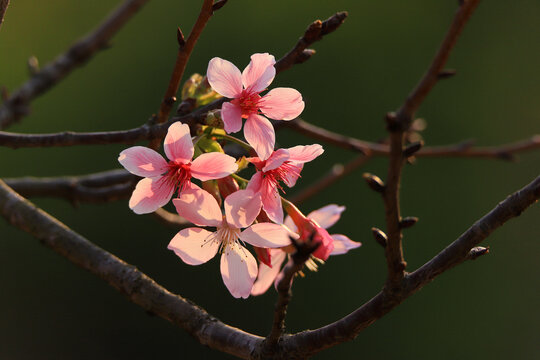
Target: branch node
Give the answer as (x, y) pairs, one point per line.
(218, 5)
(392, 123)
(313, 31)
(411, 149)
(33, 65)
(446, 74)
(305, 56)
(180, 37)
(374, 182)
(335, 21)
(379, 236)
(408, 222)
(477, 251)
(170, 100)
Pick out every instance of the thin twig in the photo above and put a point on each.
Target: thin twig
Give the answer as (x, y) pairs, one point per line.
(312, 341)
(430, 78)
(146, 131)
(184, 52)
(397, 125)
(135, 285)
(315, 32)
(296, 262)
(95, 188)
(17, 105)
(3, 8)
(464, 149)
(337, 172)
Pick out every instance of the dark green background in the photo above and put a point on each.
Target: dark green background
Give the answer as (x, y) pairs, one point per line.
(488, 309)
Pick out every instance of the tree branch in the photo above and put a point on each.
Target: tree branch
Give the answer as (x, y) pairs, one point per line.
(3, 8)
(17, 105)
(182, 57)
(312, 341)
(397, 124)
(95, 188)
(127, 279)
(148, 131)
(465, 149)
(270, 348)
(430, 78)
(315, 32)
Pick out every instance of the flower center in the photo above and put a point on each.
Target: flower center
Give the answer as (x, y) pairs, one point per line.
(286, 172)
(177, 175)
(248, 102)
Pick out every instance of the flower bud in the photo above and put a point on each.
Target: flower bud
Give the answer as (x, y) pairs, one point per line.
(309, 230)
(379, 236)
(213, 119)
(190, 86)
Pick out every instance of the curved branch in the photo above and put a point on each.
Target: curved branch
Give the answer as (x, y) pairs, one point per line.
(310, 342)
(16, 106)
(127, 279)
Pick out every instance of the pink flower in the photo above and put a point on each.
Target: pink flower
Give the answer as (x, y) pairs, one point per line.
(162, 178)
(283, 165)
(244, 89)
(196, 246)
(324, 218)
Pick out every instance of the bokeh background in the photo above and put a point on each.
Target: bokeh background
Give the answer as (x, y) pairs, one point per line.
(50, 309)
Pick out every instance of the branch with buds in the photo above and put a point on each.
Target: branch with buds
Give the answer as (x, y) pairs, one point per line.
(218, 210)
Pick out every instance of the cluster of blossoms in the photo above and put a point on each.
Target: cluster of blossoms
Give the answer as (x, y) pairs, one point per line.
(251, 212)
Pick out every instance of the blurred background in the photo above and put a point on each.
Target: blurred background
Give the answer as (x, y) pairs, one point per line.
(50, 309)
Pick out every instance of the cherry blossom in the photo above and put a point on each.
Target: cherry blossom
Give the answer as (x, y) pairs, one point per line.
(244, 89)
(162, 178)
(196, 246)
(324, 218)
(283, 165)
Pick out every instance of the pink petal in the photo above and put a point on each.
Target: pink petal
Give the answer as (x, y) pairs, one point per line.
(272, 202)
(327, 215)
(255, 182)
(224, 77)
(198, 206)
(213, 165)
(327, 244)
(267, 274)
(194, 246)
(238, 270)
(267, 235)
(275, 160)
(232, 117)
(178, 145)
(342, 244)
(303, 154)
(142, 161)
(149, 195)
(282, 104)
(260, 134)
(242, 207)
(289, 223)
(259, 73)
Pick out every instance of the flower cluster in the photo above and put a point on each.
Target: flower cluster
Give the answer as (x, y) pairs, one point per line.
(241, 211)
